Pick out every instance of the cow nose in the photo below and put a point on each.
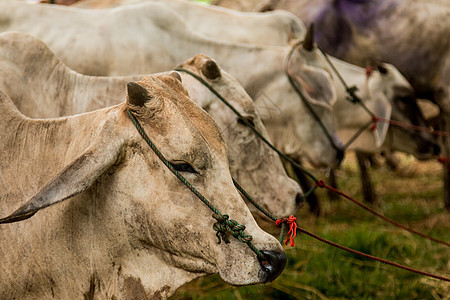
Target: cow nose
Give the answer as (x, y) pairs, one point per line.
(436, 149)
(340, 154)
(273, 264)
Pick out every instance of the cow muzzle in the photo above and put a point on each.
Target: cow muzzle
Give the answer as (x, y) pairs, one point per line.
(428, 149)
(273, 264)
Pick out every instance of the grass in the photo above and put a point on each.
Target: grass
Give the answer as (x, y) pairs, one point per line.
(412, 196)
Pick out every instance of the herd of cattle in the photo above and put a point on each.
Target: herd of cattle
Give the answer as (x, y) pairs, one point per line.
(124, 226)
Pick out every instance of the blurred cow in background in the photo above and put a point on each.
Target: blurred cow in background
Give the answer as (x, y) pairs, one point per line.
(138, 39)
(65, 92)
(412, 35)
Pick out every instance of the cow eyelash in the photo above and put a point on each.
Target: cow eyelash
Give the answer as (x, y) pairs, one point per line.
(184, 167)
(249, 120)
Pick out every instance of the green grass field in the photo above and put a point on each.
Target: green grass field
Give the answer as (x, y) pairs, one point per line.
(412, 197)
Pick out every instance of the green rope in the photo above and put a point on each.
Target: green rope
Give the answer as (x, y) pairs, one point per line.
(255, 204)
(224, 225)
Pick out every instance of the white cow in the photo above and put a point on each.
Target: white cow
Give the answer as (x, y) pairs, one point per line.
(387, 94)
(124, 227)
(41, 86)
(273, 28)
(412, 35)
(383, 93)
(150, 37)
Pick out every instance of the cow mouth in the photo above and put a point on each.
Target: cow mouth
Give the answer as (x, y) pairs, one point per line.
(427, 150)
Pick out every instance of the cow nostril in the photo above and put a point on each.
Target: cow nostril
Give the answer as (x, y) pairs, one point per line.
(273, 264)
(340, 154)
(436, 149)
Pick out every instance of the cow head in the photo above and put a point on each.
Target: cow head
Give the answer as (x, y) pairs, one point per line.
(298, 127)
(352, 117)
(252, 163)
(148, 227)
(388, 82)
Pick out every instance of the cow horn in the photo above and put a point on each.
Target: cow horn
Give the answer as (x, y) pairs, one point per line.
(308, 43)
(211, 70)
(137, 94)
(176, 75)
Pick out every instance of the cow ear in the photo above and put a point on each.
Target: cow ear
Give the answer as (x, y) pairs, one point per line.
(316, 85)
(78, 176)
(176, 75)
(137, 94)
(211, 70)
(382, 108)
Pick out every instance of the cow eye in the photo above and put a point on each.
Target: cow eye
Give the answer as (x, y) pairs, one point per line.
(184, 167)
(249, 120)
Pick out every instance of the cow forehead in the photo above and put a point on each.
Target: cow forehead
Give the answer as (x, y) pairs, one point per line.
(171, 91)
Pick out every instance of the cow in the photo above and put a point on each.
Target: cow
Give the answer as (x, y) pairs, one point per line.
(386, 91)
(388, 95)
(66, 92)
(96, 213)
(149, 37)
(411, 35)
(272, 28)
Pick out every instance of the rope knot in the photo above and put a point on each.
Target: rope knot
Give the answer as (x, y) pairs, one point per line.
(320, 183)
(375, 120)
(292, 228)
(225, 226)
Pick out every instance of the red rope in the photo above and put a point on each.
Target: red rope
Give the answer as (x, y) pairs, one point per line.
(321, 183)
(372, 257)
(376, 119)
(445, 160)
(292, 228)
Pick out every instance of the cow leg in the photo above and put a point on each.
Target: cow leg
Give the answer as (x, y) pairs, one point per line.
(445, 126)
(366, 182)
(332, 181)
(392, 160)
(305, 183)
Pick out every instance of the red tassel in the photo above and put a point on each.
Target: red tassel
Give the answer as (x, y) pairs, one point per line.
(292, 228)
